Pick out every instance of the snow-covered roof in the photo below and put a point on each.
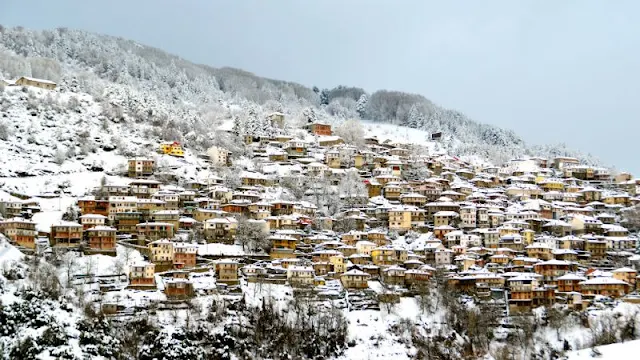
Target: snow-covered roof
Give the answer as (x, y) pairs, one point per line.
(37, 80)
(603, 281)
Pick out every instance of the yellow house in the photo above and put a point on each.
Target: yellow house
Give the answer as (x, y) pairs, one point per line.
(142, 274)
(551, 185)
(172, 148)
(399, 219)
(339, 263)
(388, 256)
(528, 236)
(161, 251)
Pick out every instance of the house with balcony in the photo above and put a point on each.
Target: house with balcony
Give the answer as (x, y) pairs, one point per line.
(605, 286)
(102, 239)
(227, 271)
(21, 232)
(300, 276)
(140, 167)
(150, 231)
(142, 275)
(91, 220)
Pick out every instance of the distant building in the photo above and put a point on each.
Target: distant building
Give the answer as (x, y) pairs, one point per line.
(141, 167)
(319, 129)
(172, 148)
(41, 83)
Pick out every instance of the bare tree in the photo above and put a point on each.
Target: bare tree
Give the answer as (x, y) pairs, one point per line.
(388, 300)
(424, 297)
(69, 263)
(252, 235)
(631, 218)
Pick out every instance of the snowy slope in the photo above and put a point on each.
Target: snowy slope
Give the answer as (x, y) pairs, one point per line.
(619, 351)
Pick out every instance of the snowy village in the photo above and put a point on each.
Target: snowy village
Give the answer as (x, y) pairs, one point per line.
(327, 238)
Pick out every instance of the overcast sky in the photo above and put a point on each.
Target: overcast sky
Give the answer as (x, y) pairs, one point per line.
(553, 71)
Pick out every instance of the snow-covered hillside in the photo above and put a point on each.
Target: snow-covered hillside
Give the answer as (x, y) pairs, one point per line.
(180, 98)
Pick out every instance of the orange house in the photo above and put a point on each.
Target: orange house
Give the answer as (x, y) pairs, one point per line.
(90, 205)
(320, 129)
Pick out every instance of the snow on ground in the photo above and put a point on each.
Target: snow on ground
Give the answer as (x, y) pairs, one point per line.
(77, 184)
(370, 330)
(396, 133)
(8, 252)
(100, 265)
(619, 351)
(217, 249)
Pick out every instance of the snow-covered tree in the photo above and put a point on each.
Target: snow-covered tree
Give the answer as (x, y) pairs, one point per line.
(352, 132)
(361, 105)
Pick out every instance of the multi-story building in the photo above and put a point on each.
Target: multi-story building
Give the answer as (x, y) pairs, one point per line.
(91, 205)
(161, 252)
(184, 255)
(122, 204)
(172, 148)
(66, 234)
(101, 238)
(227, 271)
(126, 222)
(300, 276)
(20, 231)
(400, 219)
(355, 279)
(142, 274)
(91, 220)
(150, 231)
(141, 167)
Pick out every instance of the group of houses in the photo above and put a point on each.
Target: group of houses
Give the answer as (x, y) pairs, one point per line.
(536, 230)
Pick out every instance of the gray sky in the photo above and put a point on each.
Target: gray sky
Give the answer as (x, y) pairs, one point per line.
(553, 71)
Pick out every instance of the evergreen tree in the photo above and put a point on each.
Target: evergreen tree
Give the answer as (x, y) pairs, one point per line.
(237, 126)
(324, 97)
(413, 118)
(361, 105)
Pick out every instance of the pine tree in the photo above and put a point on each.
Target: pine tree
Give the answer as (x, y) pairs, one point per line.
(361, 105)
(415, 118)
(237, 126)
(324, 97)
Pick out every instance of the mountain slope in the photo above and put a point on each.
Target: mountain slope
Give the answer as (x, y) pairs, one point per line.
(180, 97)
